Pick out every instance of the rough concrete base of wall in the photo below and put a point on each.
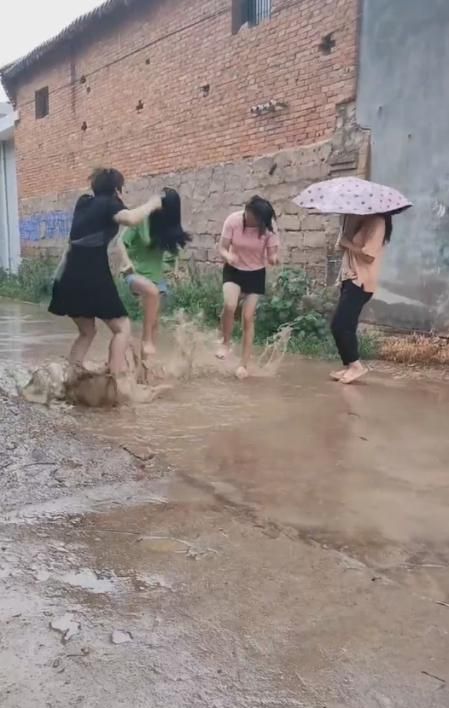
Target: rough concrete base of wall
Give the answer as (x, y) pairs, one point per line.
(210, 194)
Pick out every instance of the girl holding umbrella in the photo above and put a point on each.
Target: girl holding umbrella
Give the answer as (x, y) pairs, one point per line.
(367, 227)
(362, 241)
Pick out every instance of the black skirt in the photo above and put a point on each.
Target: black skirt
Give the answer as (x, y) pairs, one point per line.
(86, 287)
(250, 282)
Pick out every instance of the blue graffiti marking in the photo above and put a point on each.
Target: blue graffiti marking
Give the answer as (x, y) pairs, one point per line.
(51, 225)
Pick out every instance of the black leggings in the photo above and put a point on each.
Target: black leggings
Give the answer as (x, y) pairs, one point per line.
(346, 318)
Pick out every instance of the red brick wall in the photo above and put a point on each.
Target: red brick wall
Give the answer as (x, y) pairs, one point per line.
(189, 44)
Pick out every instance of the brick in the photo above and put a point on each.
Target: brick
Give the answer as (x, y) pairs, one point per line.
(289, 223)
(298, 256)
(293, 239)
(179, 129)
(312, 222)
(211, 148)
(314, 239)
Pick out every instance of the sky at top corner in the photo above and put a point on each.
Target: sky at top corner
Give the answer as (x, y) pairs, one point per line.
(26, 24)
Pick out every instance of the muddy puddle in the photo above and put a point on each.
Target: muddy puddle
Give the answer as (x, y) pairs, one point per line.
(361, 470)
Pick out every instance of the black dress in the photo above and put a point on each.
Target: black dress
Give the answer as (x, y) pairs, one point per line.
(86, 288)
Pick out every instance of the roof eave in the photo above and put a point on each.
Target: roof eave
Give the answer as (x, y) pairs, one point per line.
(10, 73)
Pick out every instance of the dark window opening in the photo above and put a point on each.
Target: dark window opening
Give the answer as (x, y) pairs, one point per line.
(250, 12)
(42, 102)
(258, 11)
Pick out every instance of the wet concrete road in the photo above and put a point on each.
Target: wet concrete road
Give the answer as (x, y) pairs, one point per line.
(287, 546)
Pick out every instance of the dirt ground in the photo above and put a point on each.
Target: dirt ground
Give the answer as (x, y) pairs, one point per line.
(286, 546)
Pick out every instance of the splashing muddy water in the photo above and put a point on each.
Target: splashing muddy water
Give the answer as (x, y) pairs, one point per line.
(191, 355)
(359, 469)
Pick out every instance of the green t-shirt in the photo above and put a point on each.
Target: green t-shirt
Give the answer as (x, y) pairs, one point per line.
(149, 261)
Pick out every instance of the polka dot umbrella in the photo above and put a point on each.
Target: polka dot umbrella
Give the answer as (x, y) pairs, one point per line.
(351, 195)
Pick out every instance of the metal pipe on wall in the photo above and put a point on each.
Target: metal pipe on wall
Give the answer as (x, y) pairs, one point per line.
(4, 219)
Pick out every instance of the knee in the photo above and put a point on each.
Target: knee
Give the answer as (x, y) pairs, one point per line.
(150, 291)
(126, 327)
(123, 327)
(248, 319)
(89, 332)
(229, 309)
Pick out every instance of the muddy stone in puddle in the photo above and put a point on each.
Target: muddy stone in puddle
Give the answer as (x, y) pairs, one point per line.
(119, 636)
(66, 626)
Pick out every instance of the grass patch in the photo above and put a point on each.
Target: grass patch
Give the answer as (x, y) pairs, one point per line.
(32, 282)
(292, 299)
(415, 349)
(198, 295)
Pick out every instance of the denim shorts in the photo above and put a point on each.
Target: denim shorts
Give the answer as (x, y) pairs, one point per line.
(131, 278)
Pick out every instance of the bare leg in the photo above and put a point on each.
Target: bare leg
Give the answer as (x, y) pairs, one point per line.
(248, 315)
(81, 345)
(121, 331)
(149, 293)
(231, 294)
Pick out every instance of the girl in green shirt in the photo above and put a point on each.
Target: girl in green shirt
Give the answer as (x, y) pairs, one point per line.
(148, 250)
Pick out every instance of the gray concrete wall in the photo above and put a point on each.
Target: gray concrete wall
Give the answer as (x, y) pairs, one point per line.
(403, 98)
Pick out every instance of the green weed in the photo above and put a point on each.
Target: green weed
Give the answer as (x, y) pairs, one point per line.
(292, 299)
(32, 282)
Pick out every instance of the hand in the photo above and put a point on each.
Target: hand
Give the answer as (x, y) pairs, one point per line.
(230, 259)
(155, 202)
(344, 243)
(274, 260)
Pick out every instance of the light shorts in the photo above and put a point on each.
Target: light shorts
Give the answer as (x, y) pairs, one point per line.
(131, 278)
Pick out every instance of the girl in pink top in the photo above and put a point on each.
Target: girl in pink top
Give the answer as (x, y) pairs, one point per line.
(249, 241)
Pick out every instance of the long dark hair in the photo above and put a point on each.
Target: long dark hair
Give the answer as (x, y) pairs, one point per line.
(263, 212)
(388, 227)
(166, 230)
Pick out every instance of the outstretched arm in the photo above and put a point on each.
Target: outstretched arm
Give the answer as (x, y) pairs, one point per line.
(133, 217)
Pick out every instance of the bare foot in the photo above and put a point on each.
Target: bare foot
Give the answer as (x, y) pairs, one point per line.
(242, 373)
(338, 375)
(223, 351)
(148, 349)
(354, 372)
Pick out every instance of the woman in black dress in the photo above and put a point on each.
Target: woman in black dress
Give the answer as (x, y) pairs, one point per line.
(84, 288)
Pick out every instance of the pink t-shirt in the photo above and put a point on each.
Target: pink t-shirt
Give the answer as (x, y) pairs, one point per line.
(246, 245)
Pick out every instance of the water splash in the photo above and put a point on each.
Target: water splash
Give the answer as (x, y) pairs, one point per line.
(273, 354)
(191, 355)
